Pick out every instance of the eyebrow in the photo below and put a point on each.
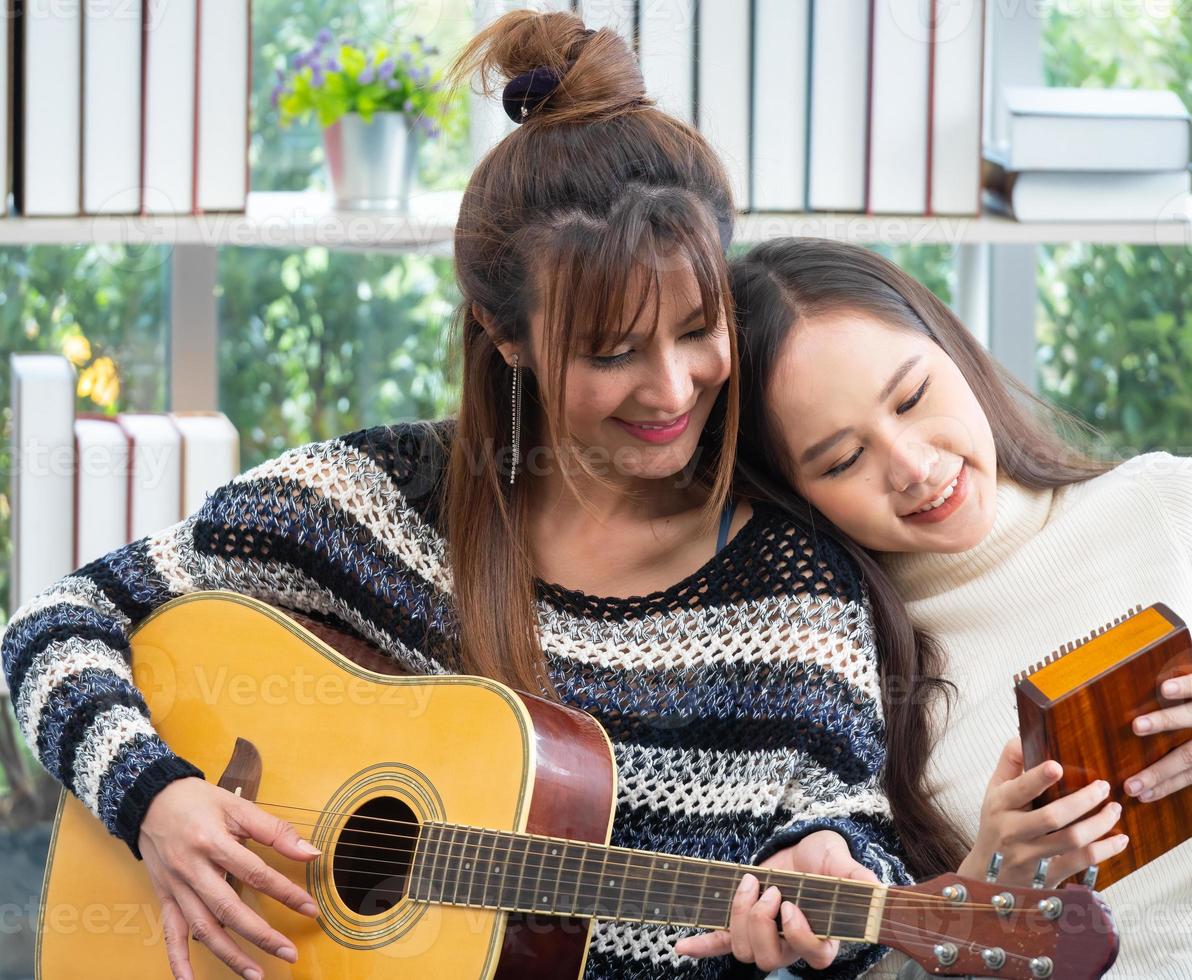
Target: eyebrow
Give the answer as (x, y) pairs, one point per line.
(824, 445)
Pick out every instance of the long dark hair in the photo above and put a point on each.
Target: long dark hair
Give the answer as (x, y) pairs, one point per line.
(596, 194)
(776, 286)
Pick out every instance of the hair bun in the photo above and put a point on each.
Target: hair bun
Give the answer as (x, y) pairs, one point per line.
(550, 68)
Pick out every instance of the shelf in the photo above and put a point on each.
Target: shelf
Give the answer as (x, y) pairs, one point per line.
(302, 219)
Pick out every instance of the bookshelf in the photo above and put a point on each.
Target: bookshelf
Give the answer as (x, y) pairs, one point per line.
(304, 219)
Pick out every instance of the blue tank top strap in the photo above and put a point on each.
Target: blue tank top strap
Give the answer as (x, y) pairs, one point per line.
(726, 519)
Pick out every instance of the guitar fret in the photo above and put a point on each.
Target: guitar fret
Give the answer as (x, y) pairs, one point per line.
(468, 856)
(538, 900)
(434, 886)
(515, 869)
(570, 866)
(492, 898)
(832, 908)
(451, 871)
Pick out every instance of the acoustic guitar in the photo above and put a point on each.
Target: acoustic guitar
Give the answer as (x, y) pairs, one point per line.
(463, 826)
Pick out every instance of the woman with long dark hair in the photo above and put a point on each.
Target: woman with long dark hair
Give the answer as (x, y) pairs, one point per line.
(986, 539)
(569, 532)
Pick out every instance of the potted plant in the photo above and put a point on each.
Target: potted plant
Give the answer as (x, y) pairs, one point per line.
(375, 106)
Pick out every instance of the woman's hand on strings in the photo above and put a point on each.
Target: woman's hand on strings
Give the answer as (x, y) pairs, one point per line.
(194, 832)
(753, 936)
(1063, 831)
(1174, 771)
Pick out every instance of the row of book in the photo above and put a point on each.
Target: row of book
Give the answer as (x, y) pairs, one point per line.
(1080, 154)
(823, 105)
(84, 484)
(125, 108)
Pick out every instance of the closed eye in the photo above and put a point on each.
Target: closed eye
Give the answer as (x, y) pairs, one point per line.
(616, 360)
(911, 402)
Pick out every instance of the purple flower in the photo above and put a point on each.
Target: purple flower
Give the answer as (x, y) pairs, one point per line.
(324, 37)
(408, 107)
(392, 83)
(274, 97)
(316, 75)
(406, 57)
(332, 64)
(281, 75)
(420, 75)
(386, 69)
(300, 61)
(367, 76)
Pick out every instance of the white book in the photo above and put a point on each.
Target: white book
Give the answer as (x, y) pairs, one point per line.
(898, 107)
(1095, 129)
(666, 50)
(210, 455)
(111, 108)
(958, 46)
(155, 480)
(222, 109)
(7, 90)
(620, 15)
(780, 107)
(168, 101)
(724, 88)
(51, 107)
(42, 487)
(838, 105)
(1041, 195)
(101, 490)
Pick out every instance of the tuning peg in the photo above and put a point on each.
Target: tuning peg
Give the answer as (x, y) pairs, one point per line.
(995, 867)
(1090, 877)
(1040, 878)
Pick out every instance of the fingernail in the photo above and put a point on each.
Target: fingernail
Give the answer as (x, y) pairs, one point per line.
(1142, 724)
(1133, 786)
(1115, 808)
(1147, 796)
(309, 909)
(307, 847)
(1123, 840)
(1102, 787)
(251, 974)
(770, 894)
(788, 908)
(289, 954)
(1171, 688)
(748, 884)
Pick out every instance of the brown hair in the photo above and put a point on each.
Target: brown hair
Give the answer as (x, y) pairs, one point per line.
(578, 213)
(783, 282)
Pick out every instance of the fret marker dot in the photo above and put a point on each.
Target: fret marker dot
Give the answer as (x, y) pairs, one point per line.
(544, 898)
(656, 912)
(612, 881)
(666, 867)
(718, 894)
(467, 865)
(554, 850)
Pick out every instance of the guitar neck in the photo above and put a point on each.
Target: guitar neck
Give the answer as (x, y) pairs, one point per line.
(459, 865)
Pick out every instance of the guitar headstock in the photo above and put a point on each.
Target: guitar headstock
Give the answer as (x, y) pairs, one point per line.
(954, 926)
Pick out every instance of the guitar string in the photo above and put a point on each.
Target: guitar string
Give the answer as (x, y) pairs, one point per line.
(905, 934)
(819, 885)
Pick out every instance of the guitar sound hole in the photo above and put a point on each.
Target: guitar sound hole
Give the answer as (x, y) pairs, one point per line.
(372, 856)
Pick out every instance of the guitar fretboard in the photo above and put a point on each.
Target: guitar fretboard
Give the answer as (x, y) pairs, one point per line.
(459, 865)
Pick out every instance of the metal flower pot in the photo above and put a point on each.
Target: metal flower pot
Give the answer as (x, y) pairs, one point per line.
(371, 165)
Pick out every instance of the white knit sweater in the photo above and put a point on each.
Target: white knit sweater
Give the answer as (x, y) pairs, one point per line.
(1056, 565)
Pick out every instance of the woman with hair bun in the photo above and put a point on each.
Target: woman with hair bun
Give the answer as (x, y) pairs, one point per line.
(571, 531)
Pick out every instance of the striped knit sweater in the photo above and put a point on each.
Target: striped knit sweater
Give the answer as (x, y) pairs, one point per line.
(742, 702)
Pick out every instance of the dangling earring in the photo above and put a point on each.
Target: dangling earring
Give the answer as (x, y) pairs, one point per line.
(516, 399)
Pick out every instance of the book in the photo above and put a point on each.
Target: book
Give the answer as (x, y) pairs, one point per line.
(221, 105)
(1087, 129)
(168, 107)
(1094, 196)
(101, 487)
(898, 106)
(666, 51)
(724, 88)
(111, 70)
(49, 118)
(42, 481)
(957, 70)
(839, 105)
(155, 474)
(781, 38)
(210, 455)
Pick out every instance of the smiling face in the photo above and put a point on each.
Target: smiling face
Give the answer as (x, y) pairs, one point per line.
(884, 435)
(643, 403)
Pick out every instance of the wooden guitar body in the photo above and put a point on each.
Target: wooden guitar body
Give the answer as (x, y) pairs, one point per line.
(341, 747)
